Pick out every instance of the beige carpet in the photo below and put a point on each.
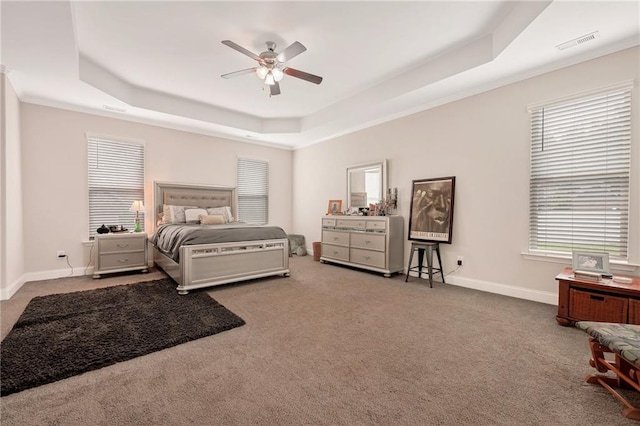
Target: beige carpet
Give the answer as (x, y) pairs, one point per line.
(331, 345)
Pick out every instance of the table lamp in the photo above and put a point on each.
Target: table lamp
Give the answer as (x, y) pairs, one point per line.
(137, 206)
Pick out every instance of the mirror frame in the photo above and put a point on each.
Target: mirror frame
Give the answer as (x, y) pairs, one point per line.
(383, 180)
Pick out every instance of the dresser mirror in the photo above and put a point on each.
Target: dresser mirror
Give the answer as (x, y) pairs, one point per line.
(366, 184)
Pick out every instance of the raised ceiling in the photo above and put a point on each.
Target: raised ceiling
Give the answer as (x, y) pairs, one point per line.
(161, 62)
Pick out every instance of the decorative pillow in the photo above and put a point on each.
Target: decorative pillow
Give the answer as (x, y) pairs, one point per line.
(224, 211)
(175, 214)
(212, 219)
(193, 215)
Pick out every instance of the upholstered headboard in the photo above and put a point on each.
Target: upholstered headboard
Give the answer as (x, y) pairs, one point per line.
(181, 194)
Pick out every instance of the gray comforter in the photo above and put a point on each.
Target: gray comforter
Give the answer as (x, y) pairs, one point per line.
(169, 237)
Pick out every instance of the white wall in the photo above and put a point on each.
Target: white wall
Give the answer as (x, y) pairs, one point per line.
(55, 185)
(11, 213)
(483, 140)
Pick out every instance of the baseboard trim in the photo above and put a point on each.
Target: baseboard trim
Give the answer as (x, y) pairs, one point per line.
(491, 287)
(505, 290)
(6, 293)
(52, 274)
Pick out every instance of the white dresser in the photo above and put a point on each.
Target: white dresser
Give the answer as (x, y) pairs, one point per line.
(368, 242)
(120, 252)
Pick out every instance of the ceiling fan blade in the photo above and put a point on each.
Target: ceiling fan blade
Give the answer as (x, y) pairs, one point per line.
(291, 52)
(303, 75)
(237, 73)
(275, 89)
(241, 49)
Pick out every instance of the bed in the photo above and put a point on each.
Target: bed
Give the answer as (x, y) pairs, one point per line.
(236, 252)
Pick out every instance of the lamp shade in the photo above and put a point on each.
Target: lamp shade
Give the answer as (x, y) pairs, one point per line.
(262, 72)
(137, 206)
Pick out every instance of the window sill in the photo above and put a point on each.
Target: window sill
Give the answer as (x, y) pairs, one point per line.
(615, 265)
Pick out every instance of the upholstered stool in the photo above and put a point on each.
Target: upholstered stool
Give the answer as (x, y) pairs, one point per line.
(425, 248)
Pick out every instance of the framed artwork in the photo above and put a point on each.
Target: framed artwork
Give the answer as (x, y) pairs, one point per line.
(335, 207)
(591, 262)
(431, 213)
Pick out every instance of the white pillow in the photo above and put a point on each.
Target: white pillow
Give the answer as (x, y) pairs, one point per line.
(175, 214)
(193, 215)
(224, 211)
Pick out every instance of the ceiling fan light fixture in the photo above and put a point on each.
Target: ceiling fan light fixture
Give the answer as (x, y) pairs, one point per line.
(277, 74)
(269, 79)
(261, 72)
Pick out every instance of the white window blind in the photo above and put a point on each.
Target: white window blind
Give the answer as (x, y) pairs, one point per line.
(116, 180)
(580, 168)
(253, 191)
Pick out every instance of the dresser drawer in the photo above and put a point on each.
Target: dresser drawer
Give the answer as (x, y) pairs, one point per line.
(379, 225)
(351, 224)
(121, 244)
(368, 241)
(335, 252)
(586, 305)
(367, 257)
(121, 260)
(333, 237)
(329, 222)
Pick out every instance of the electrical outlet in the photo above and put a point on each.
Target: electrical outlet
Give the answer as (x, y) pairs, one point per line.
(460, 259)
(61, 253)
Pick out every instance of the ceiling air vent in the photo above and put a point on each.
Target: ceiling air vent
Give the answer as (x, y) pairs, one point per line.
(580, 40)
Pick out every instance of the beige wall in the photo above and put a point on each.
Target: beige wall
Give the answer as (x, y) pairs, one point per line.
(483, 140)
(55, 185)
(11, 213)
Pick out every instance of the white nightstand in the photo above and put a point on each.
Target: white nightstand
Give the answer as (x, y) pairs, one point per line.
(120, 252)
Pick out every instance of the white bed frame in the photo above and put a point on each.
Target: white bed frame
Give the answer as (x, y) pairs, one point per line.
(206, 265)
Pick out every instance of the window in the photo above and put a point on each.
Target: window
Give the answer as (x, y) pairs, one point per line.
(116, 180)
(580, 169)
(253, 191)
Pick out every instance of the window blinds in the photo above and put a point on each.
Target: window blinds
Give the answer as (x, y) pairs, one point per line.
(580, 168)
(116, 180)
(253, 191)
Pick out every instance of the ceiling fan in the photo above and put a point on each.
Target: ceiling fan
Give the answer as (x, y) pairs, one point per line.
(271, 67)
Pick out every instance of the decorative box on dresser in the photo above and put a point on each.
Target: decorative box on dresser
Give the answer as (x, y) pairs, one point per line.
(606, 300)
(120, 252)
(368, 242)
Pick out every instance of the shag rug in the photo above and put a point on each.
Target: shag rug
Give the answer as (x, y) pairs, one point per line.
(63, 335)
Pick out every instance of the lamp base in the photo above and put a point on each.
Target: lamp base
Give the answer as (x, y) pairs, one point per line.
(137, 227)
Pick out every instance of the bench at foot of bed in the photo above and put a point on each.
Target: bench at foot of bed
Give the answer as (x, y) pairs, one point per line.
(623, 341)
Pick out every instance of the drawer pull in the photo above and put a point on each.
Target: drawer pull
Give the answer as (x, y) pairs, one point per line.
(123, 260)
(123, 245)
(335, 252)
(367, 242)
(336, 238)
(594, 297)
(367, 257)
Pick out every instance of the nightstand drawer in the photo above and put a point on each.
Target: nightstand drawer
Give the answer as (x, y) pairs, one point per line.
(121, 244)
(121, 260)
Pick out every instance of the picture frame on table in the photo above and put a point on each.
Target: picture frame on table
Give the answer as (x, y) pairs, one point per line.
(591, 262)
(334, 207)
(431, 212)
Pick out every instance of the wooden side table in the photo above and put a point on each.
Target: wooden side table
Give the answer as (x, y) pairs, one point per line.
(604, 301)
(120, 252)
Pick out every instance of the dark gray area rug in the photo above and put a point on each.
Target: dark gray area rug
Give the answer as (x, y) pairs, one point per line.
(62, 335)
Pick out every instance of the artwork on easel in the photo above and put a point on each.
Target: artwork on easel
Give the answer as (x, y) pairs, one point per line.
(431, 214)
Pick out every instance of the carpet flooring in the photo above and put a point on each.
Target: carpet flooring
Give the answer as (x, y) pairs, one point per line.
(63, 335)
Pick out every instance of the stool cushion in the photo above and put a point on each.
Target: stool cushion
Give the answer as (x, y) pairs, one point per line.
(623, 339)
